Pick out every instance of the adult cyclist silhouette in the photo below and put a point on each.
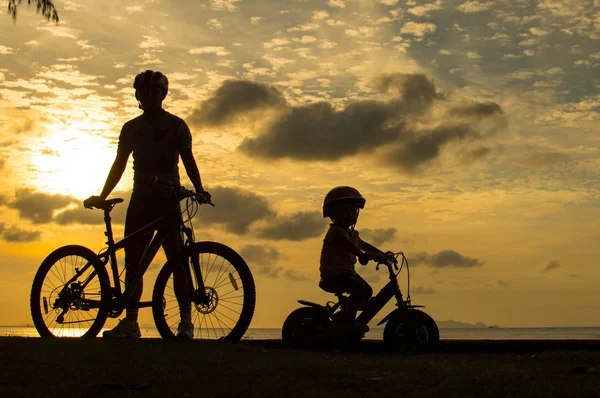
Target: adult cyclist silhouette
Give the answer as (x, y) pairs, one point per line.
(156, 139)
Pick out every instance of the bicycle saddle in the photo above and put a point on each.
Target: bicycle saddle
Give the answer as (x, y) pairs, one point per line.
(98, 203)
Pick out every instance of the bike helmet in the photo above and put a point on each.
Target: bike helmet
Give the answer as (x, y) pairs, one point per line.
(150, 77)
(340, 195)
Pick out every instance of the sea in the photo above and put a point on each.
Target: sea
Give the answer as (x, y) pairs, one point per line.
(500, 333)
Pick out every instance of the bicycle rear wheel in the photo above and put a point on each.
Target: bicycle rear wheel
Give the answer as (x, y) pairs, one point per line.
(228, 284)
(70, 294)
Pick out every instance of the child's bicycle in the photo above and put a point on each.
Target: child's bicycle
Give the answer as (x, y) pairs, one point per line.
(72, 293)
(407, 328)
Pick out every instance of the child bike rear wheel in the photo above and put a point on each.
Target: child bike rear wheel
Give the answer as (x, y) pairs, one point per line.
(229, 289)
(70, 294)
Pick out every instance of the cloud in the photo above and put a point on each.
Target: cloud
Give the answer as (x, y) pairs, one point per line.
(261, 254)
(236, 209)
(216, 50)
(320, 131)
(477, 110)
(378, 236)
(80, 215)
(39, 207)
(43, 208)
(225, 5)
(425, 147)
(551, 265)
(234, 98)
(263, 258)
(14, 234)
(298, 226)
(422, 290)
(418, 29)
(450, 258)
(473, 6)
(444, 259)
(473, 155)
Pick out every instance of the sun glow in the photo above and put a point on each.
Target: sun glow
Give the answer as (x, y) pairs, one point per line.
(72, 161)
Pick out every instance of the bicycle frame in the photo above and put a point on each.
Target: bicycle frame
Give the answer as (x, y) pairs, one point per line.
(164, 226)
(376, 303)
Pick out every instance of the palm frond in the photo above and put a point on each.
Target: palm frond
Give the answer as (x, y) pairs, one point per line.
(44, 7)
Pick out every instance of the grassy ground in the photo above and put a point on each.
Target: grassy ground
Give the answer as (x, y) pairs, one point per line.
(156, 368)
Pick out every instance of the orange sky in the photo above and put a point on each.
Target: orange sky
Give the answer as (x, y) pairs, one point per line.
(471, 127)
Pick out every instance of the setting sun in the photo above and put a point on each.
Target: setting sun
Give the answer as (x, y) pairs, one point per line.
(72, 161)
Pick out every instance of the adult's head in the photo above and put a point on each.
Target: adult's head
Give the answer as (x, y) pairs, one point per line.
(151, 88)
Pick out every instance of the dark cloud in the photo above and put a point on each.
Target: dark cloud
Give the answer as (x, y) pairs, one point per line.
(422, 290)
(16, 235)
(551, 265)
(3, 200)
(443, 259)
(234, 98)
(418, 258)
(320, 132)
(416, 91)
(236, 209)
(450, 258)
(2, 163)
(378, 236)
(262, 260)
(261, 254)
(39, 207)
(477, 110)
(473, 155)
(427, 146)
(297, 226)
(80, 215)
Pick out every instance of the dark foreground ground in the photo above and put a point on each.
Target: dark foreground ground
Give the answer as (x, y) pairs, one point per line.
(156, 368)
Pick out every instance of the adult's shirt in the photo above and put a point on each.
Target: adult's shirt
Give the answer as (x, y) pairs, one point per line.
(155, 145)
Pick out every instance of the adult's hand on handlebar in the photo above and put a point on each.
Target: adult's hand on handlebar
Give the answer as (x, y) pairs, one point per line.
(204, 197)
(93, 201)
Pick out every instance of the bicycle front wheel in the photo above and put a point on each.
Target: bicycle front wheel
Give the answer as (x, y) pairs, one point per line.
(227, 307)
(70, 294)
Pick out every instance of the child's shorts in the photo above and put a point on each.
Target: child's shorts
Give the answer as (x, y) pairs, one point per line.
(357, 287)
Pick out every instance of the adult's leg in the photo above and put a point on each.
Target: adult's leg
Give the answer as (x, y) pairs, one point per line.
(139, 214)
(173, 246)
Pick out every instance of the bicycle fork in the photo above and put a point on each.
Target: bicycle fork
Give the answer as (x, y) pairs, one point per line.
(198, 293)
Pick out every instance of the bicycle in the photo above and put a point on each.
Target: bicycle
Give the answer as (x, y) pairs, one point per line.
(72, 294)
(406, 327)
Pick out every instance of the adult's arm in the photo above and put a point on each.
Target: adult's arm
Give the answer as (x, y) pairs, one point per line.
(191, 168)
(116, 172)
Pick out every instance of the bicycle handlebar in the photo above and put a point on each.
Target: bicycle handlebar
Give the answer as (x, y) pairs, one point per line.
(196, 196)
(96, 202)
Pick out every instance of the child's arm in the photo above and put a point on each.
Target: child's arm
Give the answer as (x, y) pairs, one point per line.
(368, 248)
(348, 245)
